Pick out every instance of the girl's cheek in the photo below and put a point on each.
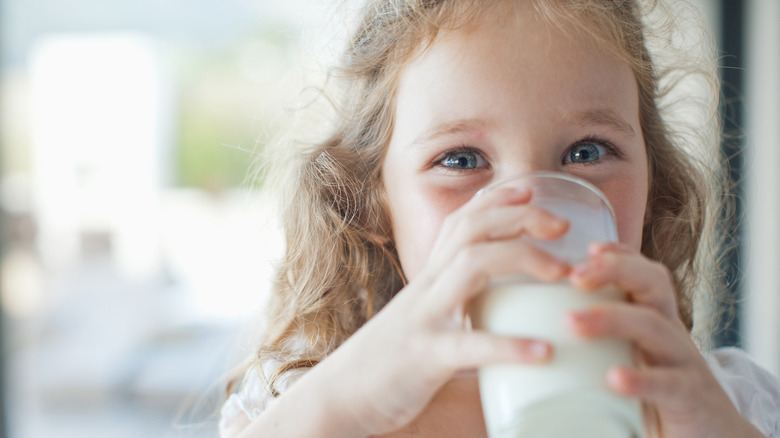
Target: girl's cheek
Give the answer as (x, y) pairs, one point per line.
(437, 203)
(446, 199)
(419, 222)
(630, 215)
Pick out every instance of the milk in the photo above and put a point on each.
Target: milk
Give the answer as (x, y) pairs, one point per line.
(567, 397)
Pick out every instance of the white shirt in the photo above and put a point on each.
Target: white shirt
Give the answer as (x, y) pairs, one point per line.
(753, 390)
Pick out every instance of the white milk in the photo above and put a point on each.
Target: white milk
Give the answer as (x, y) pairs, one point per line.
(567, 397)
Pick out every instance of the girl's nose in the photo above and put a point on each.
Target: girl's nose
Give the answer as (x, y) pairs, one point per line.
(526, 165)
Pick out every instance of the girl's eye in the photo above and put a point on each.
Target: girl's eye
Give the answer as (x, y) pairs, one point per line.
(586, 152)
(462, 160)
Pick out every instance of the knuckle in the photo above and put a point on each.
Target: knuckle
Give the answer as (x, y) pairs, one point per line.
(452, 220)
(662, 271)
(683, 386)
(604, 319)
(466, 224)
(655, 321)
(462, 226)
(469, 265)
(445, 351)
(470, 269)
(426, 277)
(610, 261)
(538, 263)
(528, 257)
(448, 223)
(473, 279)
(469, 256)
(544, 216)
(416, 346)
(537, 217)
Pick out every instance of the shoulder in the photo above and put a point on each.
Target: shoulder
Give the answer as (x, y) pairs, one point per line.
(753, 390)
(253, 397)
(232, 418)
(244, 405)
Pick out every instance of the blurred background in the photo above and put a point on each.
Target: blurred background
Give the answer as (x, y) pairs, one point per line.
(136, 251)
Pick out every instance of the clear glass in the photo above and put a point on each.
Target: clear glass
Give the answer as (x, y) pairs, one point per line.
(568, 396)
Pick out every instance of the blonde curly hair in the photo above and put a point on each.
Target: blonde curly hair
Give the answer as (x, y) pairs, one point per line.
(340, 265)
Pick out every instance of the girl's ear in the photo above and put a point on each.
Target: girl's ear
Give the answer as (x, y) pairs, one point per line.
(648, 213)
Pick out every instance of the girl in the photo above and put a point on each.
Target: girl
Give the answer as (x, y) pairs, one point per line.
(387, 244)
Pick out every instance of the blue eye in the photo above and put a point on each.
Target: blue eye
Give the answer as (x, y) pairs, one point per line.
(585, 152)
(462, 160)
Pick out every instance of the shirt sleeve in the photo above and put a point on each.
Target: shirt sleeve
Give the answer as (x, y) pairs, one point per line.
(754, 391)
(253, 397)
(232, 417)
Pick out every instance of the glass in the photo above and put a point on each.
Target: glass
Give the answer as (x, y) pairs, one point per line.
(568, 396)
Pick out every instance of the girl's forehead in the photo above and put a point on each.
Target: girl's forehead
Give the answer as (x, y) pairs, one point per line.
(520, 47)
(516, 68)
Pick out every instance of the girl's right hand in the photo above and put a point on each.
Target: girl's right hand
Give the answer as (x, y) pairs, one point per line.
(386, 373)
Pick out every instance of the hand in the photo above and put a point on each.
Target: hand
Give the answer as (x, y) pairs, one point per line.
(389, 370)
(671, 377)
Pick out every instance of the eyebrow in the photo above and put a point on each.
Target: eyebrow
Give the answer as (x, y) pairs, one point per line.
(600, 116)
(450, 128)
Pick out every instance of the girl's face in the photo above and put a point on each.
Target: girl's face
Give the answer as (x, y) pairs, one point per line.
(504, 96)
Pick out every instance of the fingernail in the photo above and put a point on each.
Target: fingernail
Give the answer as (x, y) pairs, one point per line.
(558, 269)
(578, 318)
(579, 270)
(521, 191)
(518, 191)
(580, 273)
(559, 223)
(538, 349)
(622, 380)
(595, 248)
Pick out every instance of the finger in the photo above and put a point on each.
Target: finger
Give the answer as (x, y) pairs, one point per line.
(458, 350)
(492, 198)
(496, 223)
(645, 281)
(506, 222)
(478, 205)
(659, 340)
(596, 248)
(469, 272)
(448, 239)
(501, 223)
(662, 386)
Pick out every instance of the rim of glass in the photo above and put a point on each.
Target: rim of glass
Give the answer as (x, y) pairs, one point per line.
(559, 176)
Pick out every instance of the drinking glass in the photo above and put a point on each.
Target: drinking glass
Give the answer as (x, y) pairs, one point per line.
(567, 397)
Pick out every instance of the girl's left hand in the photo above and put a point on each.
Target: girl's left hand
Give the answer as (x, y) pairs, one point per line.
(672, 377)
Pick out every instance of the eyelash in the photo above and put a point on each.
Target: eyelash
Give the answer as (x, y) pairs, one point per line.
(438, 162)
(611, 149)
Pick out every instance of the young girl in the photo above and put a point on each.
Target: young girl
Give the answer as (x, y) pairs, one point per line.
(387, 243)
